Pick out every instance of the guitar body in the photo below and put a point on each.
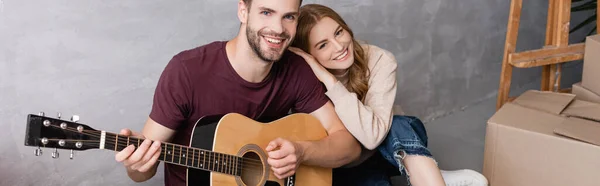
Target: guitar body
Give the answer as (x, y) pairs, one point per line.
(238, 135)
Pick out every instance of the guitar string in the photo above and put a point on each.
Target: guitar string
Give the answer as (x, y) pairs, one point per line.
(123, 138)
(199, 159)
(197, 156)
(216, 154)
(230, 167)
(244, 165)
(211, 154)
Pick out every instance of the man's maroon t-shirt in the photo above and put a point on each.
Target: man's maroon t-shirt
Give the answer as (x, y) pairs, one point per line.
(201, 82)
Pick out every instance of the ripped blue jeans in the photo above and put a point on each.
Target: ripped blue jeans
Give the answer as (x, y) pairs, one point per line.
(407, 136)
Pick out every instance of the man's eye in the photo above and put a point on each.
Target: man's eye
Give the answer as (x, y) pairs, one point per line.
(290, 17)
(265, 13)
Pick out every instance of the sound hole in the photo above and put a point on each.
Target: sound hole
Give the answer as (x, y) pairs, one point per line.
(252, 169)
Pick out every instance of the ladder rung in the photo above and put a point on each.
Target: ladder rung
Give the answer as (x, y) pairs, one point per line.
(547, 56)
(566, 90)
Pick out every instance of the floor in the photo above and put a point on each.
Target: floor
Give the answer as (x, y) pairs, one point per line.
(457, 140)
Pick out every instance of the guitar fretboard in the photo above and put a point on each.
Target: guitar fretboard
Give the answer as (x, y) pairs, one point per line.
(180, 155)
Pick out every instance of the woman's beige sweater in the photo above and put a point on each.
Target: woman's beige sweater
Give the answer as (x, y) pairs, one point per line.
(370, 122)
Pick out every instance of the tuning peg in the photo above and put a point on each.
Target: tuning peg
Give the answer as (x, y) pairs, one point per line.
(55, 153)
(71, 156)
(41, 114)
(38, 151)
(58, 115)
(75, 118)
(44, 141)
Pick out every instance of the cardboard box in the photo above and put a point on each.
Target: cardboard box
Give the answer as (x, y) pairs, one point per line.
(541, 139)
(582, 93)
(591, 64)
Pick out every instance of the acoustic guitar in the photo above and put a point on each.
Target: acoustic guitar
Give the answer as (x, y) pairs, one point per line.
(234, 156)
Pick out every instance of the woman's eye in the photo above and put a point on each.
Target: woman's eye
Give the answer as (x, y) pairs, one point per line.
(322, 45)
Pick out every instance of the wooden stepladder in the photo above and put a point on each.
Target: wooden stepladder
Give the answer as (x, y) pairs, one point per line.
(550, 57)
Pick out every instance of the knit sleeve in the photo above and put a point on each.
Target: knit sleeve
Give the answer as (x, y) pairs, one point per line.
(370, 122)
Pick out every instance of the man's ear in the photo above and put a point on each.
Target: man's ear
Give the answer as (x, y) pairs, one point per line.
(243, 12)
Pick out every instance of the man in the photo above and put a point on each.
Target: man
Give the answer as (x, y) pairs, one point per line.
(253, 74)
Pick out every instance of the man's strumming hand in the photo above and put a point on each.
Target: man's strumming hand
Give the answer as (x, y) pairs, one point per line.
(284, 157)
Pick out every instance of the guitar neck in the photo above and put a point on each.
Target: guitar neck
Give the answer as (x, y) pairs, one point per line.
(179, 155)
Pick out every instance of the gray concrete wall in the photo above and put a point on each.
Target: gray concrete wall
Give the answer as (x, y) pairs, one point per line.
(102, 59)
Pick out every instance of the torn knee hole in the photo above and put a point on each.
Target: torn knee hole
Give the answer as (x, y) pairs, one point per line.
(401, 154)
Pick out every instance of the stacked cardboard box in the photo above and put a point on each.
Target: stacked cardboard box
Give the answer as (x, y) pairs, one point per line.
(548, 138)
(589, 87)
(585, 94)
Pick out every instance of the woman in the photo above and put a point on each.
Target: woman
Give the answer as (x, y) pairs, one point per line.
(361, 82)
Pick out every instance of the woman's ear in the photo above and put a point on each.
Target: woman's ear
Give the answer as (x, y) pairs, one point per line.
(242, 12)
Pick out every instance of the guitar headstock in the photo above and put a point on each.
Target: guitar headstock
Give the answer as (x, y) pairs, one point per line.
(48, 132)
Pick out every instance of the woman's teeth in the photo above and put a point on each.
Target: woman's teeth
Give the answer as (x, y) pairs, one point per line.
(342, 56)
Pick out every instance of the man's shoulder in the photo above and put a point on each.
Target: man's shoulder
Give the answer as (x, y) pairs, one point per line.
(295, 63)
(298, 71)
(309, 92)
(197, 59)
(201, 52)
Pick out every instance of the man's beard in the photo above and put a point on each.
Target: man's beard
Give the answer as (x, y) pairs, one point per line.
(271, 55)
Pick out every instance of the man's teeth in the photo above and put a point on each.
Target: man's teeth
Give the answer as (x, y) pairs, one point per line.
(343, 55)
(274, 41)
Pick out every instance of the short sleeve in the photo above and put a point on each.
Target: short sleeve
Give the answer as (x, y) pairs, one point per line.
(310, 91)
(171, 103)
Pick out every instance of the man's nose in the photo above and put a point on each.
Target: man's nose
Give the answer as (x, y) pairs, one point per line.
(277, 27)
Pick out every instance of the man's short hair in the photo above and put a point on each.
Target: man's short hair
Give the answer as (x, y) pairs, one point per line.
(249, 2)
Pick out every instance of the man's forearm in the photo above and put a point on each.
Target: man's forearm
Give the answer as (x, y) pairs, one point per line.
(336, 150)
